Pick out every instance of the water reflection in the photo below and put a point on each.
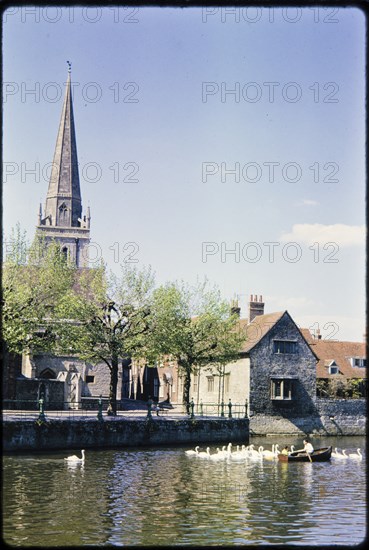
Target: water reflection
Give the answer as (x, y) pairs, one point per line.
(159, 496)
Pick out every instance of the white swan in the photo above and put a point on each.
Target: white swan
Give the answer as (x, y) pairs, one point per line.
(250, 450)
(204, 454)
(343, 455)
(193, 452)
(238, 455)
(356, 456)
(75, 459)
(218, 455)
(266, 453)
(292, 449)
(228, 451)
(335, 453)
(253, 454)
(223, 452)
(276, 450)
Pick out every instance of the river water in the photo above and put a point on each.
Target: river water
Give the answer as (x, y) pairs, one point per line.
(160, 496)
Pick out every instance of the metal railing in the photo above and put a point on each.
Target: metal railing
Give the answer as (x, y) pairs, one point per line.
(96, 408)
(222, 410)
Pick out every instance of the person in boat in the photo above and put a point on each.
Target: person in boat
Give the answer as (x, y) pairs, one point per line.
(308, 448)
(285, 450)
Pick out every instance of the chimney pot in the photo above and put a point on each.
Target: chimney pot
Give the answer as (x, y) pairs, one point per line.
(256, 307)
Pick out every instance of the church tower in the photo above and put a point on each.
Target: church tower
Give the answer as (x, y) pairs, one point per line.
(62, 219)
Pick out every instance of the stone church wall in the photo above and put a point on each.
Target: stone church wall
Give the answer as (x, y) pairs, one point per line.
(95, 378)
(29, 391)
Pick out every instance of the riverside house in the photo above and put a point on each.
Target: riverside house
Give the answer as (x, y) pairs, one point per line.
(275, 373)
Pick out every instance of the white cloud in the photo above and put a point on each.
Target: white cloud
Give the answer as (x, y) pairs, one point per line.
(307, 202)
(343, 235)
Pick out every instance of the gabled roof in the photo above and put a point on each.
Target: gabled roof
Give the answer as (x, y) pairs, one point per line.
(258, 328)
(340, 352)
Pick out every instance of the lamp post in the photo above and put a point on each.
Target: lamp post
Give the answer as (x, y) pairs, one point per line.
(41, 415)
(100, 406)
(149, 405)
(192, 405)
(230, 409)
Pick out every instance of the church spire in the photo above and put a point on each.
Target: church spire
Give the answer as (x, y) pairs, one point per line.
(63, 201)
(62, 218)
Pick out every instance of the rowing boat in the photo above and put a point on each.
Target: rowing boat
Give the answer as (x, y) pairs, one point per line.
(319, 455)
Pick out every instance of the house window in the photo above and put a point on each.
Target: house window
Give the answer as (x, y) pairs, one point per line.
(284, 346)
(281, 388)
(195, 383)
(333, 370)
(90, 379)
(226, 382)
(210, 383)
(358, 362)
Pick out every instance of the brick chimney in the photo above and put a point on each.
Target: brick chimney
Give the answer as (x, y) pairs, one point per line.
(256, 307)
(235, 309)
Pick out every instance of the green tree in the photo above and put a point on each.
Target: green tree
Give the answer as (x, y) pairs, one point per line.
(111, 319)
(337, 386)
(34, 288)
(355, 388)
(196, 326)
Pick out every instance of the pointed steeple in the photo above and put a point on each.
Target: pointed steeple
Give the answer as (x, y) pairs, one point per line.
(62, 219)
(63, 202)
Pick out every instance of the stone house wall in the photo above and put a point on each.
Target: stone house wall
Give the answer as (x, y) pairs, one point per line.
(266, 365)
(233, 385)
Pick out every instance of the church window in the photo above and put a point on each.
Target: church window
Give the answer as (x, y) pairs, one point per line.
(47, 373)
(63, 213)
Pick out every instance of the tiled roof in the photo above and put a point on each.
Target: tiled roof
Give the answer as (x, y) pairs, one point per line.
(339, 352)
(258, 328)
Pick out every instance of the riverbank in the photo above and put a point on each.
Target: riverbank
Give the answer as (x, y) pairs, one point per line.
(88, 433)
(22, 430)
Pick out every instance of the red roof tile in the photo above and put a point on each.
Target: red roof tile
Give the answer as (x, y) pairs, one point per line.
(339, 352)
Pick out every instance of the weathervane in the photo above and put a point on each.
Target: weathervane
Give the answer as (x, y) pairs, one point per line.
(69, 66)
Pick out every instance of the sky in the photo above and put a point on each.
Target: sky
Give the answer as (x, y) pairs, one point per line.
(212, 142)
